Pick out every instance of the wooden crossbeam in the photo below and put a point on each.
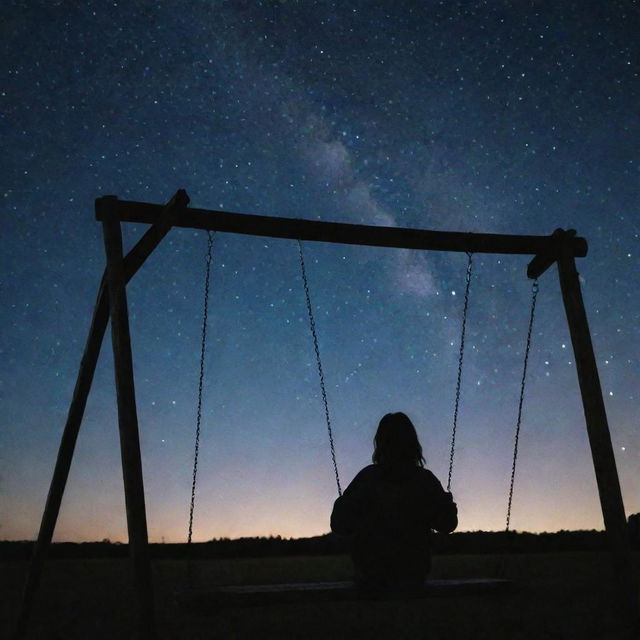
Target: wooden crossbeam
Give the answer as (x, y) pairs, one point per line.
(343, 233)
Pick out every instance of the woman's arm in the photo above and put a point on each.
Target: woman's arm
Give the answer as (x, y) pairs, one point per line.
(444, 513)
(348, 510)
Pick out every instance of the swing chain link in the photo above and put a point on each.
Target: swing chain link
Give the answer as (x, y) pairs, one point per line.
(460, 359)
(312, 325)
(534, 296)
(203, 345)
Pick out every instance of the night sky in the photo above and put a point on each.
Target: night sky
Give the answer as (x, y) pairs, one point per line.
(504, 117)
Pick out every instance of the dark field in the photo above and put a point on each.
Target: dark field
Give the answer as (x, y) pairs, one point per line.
(565, 595)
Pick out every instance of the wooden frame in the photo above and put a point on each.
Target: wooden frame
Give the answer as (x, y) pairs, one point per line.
(561, 247)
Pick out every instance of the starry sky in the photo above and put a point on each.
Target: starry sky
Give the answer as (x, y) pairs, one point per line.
(504, 117)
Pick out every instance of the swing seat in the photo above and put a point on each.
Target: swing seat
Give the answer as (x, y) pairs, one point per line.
(208, 601)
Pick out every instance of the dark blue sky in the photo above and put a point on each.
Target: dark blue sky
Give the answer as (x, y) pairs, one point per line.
(508, 117)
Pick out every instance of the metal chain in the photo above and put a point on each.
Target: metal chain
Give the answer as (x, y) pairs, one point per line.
(203, 346)
(460, 359)
(534, 296)
(312, 324)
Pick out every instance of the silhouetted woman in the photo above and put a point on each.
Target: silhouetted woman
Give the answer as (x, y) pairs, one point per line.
(390, 508)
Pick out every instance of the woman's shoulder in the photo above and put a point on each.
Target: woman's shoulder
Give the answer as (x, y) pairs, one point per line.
(364, 478)
(368, 474)
(368, 471)
(427, 476)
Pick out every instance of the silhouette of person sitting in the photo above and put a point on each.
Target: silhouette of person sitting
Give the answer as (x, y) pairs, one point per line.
(389, 510)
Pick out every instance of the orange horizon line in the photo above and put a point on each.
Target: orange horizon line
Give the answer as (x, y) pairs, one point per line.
(271, 535)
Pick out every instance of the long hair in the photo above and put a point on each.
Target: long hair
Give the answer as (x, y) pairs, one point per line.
(396, 442)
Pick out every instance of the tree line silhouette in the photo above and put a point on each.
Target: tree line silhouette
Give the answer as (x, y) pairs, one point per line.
(473, 542)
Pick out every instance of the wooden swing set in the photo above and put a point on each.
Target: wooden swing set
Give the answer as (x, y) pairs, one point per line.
(561, 247)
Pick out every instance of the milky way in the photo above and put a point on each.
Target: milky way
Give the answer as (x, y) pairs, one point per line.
(500, 117)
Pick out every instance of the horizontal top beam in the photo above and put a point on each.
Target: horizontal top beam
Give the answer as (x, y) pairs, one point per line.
(339, 232)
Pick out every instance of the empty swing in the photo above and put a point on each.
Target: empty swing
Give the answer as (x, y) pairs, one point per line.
(200, 600)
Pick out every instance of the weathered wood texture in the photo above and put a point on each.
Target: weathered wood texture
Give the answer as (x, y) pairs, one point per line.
(357, 234)
(132, 262)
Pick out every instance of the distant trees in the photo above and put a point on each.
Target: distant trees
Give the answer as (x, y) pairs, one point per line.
(473, 542)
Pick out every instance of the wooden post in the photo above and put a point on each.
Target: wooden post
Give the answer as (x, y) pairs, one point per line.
(132, 262)
(128, 426)
(598, 431)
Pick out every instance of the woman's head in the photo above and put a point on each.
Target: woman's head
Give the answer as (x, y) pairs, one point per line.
(396, 442)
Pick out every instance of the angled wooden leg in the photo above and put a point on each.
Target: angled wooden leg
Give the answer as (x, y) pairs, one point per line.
(132, 262)
(65, 455)
(598, 432)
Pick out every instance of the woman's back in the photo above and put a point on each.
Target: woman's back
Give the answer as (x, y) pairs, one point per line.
(389, 512)
(390, 508)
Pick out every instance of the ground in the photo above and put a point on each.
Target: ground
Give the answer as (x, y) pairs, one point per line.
(554, 596)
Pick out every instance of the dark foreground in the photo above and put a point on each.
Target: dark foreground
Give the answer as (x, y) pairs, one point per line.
(556, 596)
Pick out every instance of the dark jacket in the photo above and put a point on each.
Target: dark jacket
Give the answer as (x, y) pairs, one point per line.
(389, 513)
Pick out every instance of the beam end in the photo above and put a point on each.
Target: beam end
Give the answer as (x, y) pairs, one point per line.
(561, 240)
